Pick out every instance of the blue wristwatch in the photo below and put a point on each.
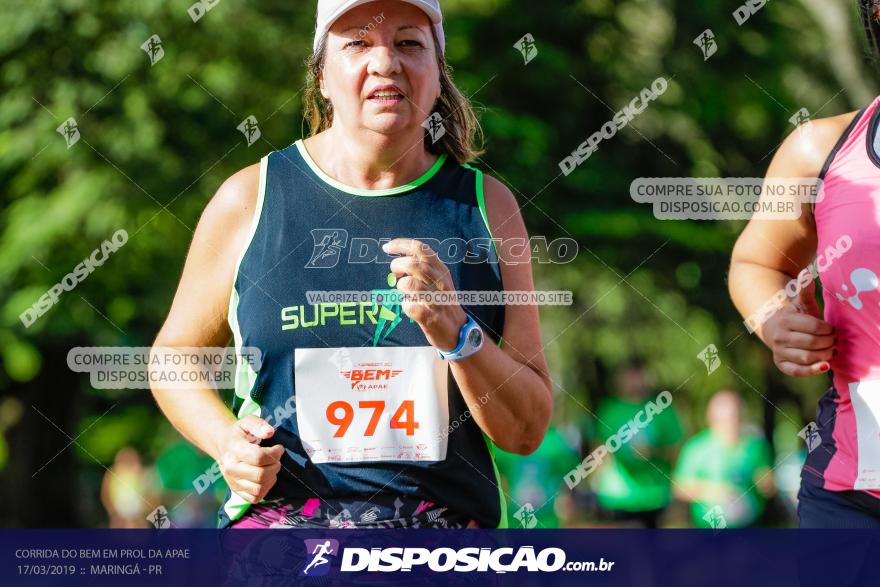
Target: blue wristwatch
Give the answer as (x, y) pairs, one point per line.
(470, 340)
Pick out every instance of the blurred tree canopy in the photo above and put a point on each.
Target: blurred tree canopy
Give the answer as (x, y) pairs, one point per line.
(158, 140)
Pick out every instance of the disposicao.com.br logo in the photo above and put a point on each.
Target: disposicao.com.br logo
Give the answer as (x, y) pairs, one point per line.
(443, 559)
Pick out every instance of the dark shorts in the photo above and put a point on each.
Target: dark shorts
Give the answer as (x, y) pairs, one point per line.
(379, 511)
(821, 508)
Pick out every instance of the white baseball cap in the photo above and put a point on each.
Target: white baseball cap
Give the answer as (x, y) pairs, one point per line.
(329, 12)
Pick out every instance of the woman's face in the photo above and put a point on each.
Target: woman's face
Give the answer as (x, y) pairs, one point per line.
(381, 44)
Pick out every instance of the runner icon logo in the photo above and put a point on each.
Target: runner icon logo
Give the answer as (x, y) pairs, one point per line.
(434, 125)
(526, 46)
(526, 516)
(810, 434)
(159, 518)
(328, 243)
(250, 129)
(715, 518)
(710, 358)
(70, 131)
(153, 48)
(317, 553)
(706, 42)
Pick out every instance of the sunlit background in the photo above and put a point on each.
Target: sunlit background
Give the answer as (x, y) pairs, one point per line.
(156, 141)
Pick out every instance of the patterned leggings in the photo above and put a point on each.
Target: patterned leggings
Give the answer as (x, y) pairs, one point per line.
(379, 511)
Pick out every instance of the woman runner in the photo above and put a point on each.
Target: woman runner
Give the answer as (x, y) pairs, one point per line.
(840, 481)
(380, 412)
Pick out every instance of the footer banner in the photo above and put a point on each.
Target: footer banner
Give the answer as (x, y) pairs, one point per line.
(439, 557)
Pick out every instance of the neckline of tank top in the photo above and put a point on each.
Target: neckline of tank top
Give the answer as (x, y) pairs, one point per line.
(431, 172)
(871, 140)
(872, 145)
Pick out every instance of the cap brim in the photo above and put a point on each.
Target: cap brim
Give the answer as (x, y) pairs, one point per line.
(435, 16)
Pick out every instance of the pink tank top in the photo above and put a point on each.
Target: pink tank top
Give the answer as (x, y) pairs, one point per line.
(847, 215)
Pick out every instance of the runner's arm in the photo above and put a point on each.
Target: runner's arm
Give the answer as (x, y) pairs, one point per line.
(198, 313)
(770, 253)
(513, 378)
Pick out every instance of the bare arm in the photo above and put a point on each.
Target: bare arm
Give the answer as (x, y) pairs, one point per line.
(514, 378)
(770, 253)
(198, 313)
(198, 319)
(507, 389)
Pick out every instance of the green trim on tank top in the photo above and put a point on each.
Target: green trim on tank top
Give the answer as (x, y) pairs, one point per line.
(502, 502)
(362, 192)
(245, 376)
(481, 198)
(490, 446)
(481, 202)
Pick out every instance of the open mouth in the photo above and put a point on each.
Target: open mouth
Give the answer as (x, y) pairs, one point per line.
(387, 95)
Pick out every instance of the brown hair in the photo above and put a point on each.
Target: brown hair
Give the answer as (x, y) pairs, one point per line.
(463, 138)
(870, 13)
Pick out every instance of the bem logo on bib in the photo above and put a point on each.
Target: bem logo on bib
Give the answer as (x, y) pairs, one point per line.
(370, 379)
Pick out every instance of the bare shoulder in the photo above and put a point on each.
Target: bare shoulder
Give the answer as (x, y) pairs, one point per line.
(232, 208)
(502, 209)
(805, 150)
(793, 241)
(509, 230)
(224, 226)
(198, 311)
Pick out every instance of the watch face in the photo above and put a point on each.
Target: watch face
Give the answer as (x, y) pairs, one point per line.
(475, 337)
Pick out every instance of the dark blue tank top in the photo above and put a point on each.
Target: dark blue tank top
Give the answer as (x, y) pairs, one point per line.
(302, 239)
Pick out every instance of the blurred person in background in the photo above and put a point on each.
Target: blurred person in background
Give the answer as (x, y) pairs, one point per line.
(536, 480)
(126, 489)
(191, 484)
(633, 482)
(10, 414)
(790, 456)
(724, 471)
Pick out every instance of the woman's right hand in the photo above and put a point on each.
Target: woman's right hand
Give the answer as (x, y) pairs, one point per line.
(250, 470)
(802, 343)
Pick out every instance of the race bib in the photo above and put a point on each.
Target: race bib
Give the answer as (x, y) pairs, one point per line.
(865, 397)
(358, 404)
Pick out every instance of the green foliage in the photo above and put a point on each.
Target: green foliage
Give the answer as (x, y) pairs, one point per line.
(157, 141)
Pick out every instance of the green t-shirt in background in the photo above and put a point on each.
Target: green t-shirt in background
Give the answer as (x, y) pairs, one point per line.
(537, 479)
(636, 478)
(733, 467)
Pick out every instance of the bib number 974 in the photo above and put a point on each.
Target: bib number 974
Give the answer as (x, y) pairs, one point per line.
(403, 418)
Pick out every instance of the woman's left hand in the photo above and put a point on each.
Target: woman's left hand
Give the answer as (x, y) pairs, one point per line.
(421, 270)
